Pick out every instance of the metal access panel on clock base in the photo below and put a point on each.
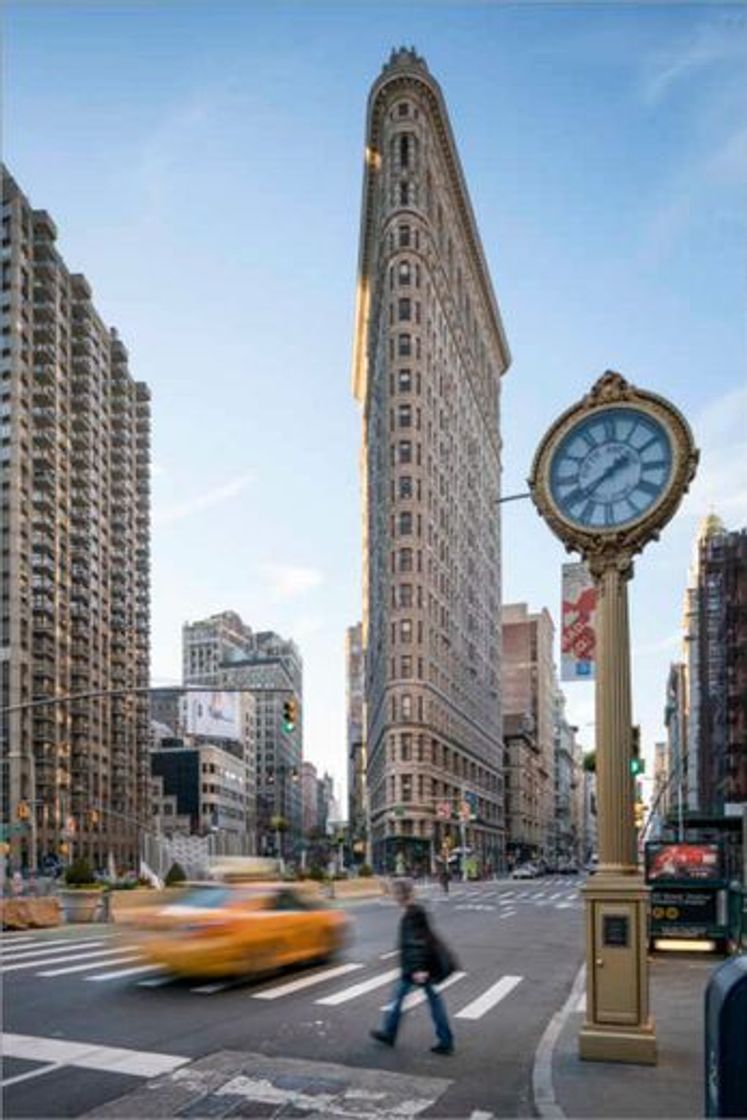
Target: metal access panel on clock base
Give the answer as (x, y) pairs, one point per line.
(618, 1026)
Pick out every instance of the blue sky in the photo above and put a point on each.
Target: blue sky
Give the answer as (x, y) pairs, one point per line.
(203, 163)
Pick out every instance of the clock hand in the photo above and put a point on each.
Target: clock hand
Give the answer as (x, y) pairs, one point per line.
(620, 461)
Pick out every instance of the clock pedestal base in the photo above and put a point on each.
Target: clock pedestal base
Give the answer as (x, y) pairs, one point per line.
(619, 1026)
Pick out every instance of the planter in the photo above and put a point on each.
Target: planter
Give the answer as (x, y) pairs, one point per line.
(82, 905)
(29, 913)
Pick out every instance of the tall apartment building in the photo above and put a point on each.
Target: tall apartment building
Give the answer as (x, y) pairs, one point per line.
(356, 747)
(676, 720)
(223, 652)
(429, 354)
(75, 559)
(717, 701)
(529, 691)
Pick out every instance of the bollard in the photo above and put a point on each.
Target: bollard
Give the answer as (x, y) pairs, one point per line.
(726, 1040)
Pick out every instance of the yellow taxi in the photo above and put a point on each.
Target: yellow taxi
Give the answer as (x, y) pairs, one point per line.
(219, 929)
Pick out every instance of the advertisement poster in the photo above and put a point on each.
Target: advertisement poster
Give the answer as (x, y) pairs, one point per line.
(691, 863)
(577, 634)
(213, 714)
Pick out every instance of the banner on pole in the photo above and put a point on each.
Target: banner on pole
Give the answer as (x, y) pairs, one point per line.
(578, 631)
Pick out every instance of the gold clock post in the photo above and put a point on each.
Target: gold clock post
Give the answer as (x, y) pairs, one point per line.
(618, 1025)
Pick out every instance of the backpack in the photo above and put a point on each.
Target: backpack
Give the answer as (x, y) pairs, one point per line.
(443, 962)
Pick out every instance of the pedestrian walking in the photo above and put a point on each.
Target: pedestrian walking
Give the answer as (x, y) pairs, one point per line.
(424, 961)
(444, 877)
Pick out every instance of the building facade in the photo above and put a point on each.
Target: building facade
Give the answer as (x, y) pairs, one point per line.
(429, 354)
(718, 683)
(529, 691)
(75, 561)
(679, 796)
(356, 747)
(224, 652)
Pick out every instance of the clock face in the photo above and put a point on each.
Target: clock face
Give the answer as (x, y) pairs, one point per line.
(611, 468)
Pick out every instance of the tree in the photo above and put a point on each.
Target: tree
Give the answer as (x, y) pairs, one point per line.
(590, 762)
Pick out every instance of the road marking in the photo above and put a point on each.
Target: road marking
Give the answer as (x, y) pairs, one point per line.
(209, 989)
(58, 958)
(563, 905)
(156, 981)
(558, 894)
(113, 1059)
(508, 913)
(387, 956)
(414, 999)
(40, 950)
(124, 972)
(305, 982)
(90, 965)
(489, 999)
(31, 1073)
(581, 1005)
(346, 994)
(5, 940)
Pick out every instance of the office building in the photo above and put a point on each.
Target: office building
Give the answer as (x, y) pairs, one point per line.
(225, 653)
(429, 354)
(75, 561)
(529, 691)
(357, 791)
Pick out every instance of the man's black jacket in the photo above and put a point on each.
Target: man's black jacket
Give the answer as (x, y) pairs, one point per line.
(415, 941)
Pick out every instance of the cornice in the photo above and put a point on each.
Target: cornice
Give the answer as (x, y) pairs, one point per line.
(400, 76)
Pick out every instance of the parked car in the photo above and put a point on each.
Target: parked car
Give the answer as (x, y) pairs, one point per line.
(524, 871)
(217, 929)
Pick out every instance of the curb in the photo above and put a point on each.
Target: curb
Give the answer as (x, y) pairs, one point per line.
(545, 1101)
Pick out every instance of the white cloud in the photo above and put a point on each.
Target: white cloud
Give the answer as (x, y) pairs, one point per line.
(721, 481)
(199, 502)
(707, 45)
(287, 581)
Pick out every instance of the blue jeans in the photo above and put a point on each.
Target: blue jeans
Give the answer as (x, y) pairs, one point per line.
(436, 1004)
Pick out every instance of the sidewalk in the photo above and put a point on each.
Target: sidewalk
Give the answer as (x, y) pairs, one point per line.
(673, 1088)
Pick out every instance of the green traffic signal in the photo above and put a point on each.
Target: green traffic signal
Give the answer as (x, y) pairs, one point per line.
(637, 766)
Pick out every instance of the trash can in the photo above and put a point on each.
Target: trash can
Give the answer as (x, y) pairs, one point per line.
(726, 1040)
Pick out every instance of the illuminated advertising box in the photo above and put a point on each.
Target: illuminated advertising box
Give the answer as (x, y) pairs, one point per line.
(701, 864)
(214, 715)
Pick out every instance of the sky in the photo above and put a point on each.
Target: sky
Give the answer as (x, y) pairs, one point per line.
(203, 162)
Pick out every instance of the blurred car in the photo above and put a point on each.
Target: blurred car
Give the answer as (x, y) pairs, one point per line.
(217, 929)
(567, 867)
(524, 871)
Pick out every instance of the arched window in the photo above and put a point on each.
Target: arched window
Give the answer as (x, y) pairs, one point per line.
(404, 272)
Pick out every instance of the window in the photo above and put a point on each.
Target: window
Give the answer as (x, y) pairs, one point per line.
(405, 523)
(404, 310)
(406, 753)
(403, 108)
(403, 272)
(404, 416)
(404, 193)
(405, 486)
(405, 559)
(406, 781)
(404, 150)
(405, 345)
(405, 451)
(406, 666)
(404, 237)
(405, 594)
(405, 630)
(404, 380)
(406, 714)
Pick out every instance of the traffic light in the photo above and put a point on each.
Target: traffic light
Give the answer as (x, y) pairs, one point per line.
(638, 813)
(290, 715)
(23, 811)
(637, 764)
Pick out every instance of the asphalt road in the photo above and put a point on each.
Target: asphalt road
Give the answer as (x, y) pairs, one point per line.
(82, 1027)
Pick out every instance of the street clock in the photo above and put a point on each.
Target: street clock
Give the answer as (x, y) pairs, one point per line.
(612, 469)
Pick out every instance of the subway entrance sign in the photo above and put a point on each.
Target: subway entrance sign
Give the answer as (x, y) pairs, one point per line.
(689, 896)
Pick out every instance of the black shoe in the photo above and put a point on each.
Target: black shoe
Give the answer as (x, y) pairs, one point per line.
(442, 1048)
(381, 1037)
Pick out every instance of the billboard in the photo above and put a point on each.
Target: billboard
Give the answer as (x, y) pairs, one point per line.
(578, 637)
(690, 863)
(214, 715)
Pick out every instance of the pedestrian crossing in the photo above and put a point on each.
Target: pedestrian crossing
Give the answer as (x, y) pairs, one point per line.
(555, 894)
(472, 997)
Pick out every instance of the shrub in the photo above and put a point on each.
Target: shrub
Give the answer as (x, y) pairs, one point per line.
(80, 874)
(175, 875)
(365, 871)
(317, 874)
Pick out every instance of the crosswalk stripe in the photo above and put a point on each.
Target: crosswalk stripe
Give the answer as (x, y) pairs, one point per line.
(123, 972)
(115, 1059)
(508, 913)
(581, 1005)
(5, 940)
(305, 982)
(413, 999)
(211, 989)
(346, 994)
(489, 999)
(558, 894)
(58, 958)
(51, 947)
(156, 981)
(87, 967)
